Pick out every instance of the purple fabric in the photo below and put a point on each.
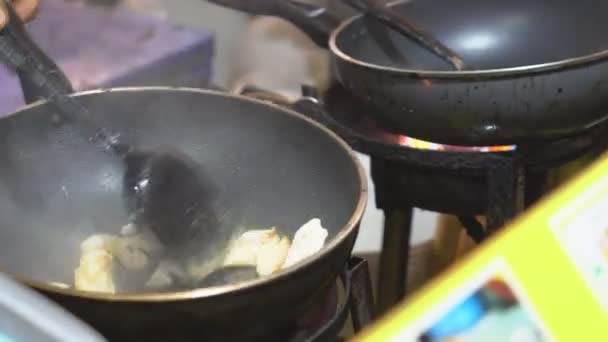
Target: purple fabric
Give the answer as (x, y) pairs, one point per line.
(99, 47)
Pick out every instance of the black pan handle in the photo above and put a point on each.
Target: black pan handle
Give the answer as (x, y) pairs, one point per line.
(310, 104)
(40, 77)
(316, 21)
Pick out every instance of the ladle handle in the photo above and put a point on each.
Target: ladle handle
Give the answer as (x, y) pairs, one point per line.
(41, 78)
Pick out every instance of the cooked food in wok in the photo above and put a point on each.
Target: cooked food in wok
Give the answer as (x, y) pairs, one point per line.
(133, 260)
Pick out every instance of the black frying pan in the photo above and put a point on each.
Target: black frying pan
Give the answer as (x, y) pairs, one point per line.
(536, 69)
(272, 166)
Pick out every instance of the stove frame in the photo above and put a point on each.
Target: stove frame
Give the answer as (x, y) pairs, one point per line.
(497, 185)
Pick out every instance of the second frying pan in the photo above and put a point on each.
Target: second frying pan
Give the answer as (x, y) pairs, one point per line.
(536, 69)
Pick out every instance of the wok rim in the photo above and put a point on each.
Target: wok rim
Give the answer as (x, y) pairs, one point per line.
(522, 70)
(343, 233)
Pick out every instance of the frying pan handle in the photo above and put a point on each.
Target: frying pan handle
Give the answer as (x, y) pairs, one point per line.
(316, 21)
(40, 77)
(310, 105)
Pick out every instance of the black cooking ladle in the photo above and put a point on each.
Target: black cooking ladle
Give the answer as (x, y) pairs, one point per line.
(163, 188)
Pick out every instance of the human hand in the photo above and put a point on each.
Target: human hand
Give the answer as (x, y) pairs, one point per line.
(26, 10)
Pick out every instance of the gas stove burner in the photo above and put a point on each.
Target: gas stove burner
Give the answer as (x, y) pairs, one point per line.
(350, 112)
(425, 145)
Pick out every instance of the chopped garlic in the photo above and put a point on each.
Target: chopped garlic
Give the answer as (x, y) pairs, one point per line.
(308, 240)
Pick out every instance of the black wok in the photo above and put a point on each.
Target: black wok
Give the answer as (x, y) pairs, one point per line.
(271, 166)
(535, 69)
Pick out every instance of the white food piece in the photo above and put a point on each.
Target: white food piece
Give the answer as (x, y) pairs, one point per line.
(98, 253)
(264, 249)
(98, 242)
(94, 272)
(271, 257)
(134, 252)
(244, 250)
(308, 240)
